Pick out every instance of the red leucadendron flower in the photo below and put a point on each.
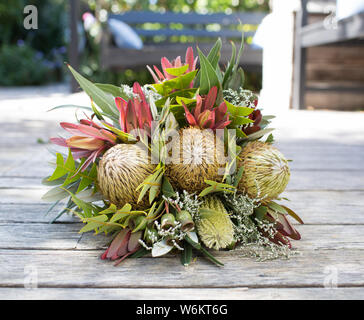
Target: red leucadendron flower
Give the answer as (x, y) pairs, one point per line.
(158, 76)
(135, 113)
(205, 116)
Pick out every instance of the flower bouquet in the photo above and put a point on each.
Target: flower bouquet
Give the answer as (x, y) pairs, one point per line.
(183, 165)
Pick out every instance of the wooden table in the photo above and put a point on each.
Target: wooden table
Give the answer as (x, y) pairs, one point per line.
(326, 189)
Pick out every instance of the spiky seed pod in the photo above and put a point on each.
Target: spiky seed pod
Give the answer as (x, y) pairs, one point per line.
(196, 160)
(120, 171)
(266, 172)
(214, 225)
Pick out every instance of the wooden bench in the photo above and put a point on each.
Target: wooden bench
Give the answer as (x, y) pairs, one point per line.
(173, 27)
(346, 31)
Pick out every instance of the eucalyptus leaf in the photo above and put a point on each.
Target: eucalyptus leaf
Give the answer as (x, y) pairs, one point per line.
(160, 248)
(259, 134)
(104, 100)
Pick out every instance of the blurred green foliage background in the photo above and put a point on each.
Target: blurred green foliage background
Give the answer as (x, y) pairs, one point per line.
(32, 57)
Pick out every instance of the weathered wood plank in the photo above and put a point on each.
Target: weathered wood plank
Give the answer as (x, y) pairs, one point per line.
(39, 236)
(66, 236)
(315, 207)
(327, 207)
(32, 213)
(85, 269)
(182, 293)
(326, 180)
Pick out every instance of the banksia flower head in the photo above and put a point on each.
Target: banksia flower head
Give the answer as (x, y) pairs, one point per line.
(198, 159)
(120, 171)
(135, 113)
(266, 172)
(167, 67)
(89, 140)
(214, 225)
(205, 116)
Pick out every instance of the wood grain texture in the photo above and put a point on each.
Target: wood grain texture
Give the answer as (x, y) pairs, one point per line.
(315, 207)
(84, 269)
(176, 294)
(66, 236)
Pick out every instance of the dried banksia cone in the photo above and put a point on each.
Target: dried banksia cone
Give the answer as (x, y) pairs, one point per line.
(121, 170)
(197, 160)
(214, 225)
(266, 172)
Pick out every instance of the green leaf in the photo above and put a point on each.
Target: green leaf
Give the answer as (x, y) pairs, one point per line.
(293, 214)
(60, 170)
(54, 194)
(111, 209)
(240, 133)
(167, 188)
(186, 254)
(123, 136)
(96, 112)
(179, 83)
(213, 57)
(230, 66)
(238, 111)
(121, 213)
(214, 54)
(93, 223)
(185, 93)
(178, 71)
(88, 180)
(259, 134)
(260, 212)
(237, 79)
(276, 207)
(70, 205)
(197, 246)
(240, 121)
(141, 226)
(103, 100)
(270, 139)
(154, 190)
(152, 214)
(216, 187)
(84, 206)
(113, 90)
(209, 77)
(238, 176)
(52, 207)
(56, 182)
